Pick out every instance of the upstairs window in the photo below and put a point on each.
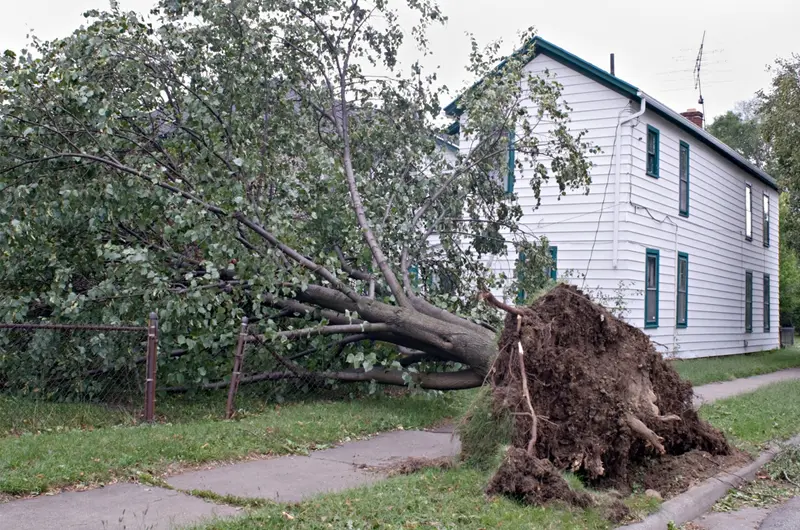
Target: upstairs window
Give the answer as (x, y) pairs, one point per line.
(683, 196)
(653, 148)
(748, 302)
(683, 290)
(651, 289)
(748, 212)
(766, 220)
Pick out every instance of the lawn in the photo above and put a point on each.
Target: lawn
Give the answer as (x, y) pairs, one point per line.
(454, 498)
(750, 420)
(430, 499)
(712, 369)
(63, 454)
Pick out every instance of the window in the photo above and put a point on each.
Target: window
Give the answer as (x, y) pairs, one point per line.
(653, 139)
(748, 212)
(683, 290)
(748, 302)
(767, 303)
(552, 271)
(651, 289)
(413, 276)
(511, 163)
(766, 220)
(683, 196)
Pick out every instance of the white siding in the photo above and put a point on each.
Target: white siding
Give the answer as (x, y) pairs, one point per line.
(581, 226)
(576, 221)
(714, 238)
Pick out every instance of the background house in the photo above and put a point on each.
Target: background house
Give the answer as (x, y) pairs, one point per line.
(677, 226)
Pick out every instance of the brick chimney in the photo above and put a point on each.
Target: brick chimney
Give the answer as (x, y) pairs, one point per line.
(694, 116)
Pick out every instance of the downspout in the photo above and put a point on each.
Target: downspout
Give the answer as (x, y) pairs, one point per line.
(617, 171)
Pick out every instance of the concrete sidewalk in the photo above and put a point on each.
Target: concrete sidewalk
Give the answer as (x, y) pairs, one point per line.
(724, 389)
(284, 479)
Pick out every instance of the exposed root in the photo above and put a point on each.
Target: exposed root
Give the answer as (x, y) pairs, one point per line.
(527, 394)
(612, 403)
(645, 433)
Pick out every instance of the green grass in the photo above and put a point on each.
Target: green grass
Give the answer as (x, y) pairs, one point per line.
(712, 369)
(36, 462)
(431, 499)
(20, 415)
(770, 413)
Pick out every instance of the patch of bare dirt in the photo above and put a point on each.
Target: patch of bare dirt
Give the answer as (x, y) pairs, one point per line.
(590, 394)
(411, 465)
(671, 475)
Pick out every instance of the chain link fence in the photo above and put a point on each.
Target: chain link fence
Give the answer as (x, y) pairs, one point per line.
(72, 376)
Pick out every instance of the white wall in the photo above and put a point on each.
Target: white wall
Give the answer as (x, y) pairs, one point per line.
(712, 235)
(575, 221)
(714, 238)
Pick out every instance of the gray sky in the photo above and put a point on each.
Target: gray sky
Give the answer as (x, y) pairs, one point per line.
(655, 47)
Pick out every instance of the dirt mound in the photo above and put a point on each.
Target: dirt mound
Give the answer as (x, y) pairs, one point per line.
(603, 400)
(533, 480)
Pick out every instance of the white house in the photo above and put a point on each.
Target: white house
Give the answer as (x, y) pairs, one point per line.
(677, 223)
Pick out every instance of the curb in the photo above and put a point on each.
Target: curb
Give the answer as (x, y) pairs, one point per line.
(698, 500)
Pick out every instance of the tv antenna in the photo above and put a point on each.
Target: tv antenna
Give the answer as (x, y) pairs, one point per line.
(698, 85)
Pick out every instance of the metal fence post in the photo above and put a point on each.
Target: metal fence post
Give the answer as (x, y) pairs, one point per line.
(237, 369)
(152, 358)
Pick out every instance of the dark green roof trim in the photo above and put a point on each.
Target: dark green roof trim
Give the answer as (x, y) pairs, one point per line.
(708, 139)
(538, 45)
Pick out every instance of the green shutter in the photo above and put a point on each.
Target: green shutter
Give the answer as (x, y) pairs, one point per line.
(653, 149)
(554, 264)
(767, 304)
(413, 275)
(651, 287)
(748, 302)
(511, 163)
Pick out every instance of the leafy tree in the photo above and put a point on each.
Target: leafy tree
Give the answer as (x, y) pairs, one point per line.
(781, 121)
(269, 158)
(741, 130)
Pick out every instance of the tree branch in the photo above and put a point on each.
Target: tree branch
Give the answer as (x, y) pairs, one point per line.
(296, 256)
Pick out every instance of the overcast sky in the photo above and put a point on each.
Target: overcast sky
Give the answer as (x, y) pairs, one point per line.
(655, 42)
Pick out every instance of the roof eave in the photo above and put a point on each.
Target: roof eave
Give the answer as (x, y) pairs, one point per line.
(541, 46)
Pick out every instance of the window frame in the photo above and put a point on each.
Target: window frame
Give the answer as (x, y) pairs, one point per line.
(748, 211)
(748, 301)
(765, 204)
(682, 256)
(656, 153)
(654, 253)
(767, 304)
(683, 145)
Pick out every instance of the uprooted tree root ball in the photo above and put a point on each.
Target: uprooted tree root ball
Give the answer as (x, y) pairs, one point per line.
(588, 393)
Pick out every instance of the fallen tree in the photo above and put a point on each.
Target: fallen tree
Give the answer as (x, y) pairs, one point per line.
(271, 159)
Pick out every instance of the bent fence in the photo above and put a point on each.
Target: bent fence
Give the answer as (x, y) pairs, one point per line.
(110, 370)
